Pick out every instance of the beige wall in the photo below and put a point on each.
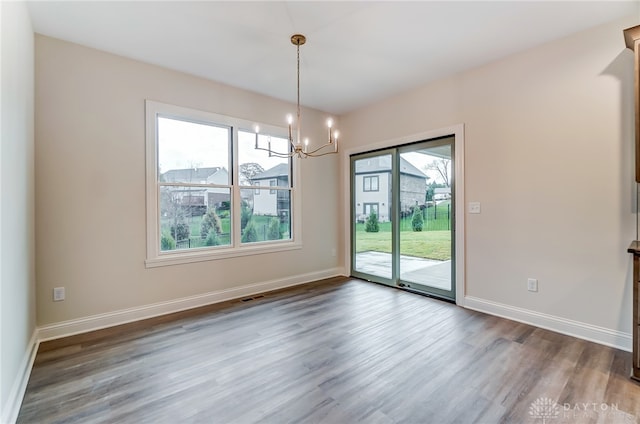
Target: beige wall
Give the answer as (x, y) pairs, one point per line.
(548, 142)
(90, 185)
(17, 275)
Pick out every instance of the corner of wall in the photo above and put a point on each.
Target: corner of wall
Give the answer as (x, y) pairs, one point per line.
(14, 400)
(18, 333)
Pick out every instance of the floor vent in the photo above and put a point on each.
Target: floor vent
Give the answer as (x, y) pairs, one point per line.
(248, 299)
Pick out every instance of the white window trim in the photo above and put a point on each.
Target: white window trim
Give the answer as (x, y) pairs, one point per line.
(157, 258)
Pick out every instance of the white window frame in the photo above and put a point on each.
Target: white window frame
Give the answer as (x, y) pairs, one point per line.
(156, 257)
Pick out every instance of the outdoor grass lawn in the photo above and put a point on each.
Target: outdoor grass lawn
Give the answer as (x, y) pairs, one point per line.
(423, 244)
(434, 242)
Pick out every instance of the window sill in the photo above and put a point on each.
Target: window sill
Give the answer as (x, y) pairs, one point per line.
(186, 257)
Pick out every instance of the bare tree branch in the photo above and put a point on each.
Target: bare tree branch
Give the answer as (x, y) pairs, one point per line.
(442, 166)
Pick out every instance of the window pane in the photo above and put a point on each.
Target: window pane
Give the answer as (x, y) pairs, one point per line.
(194, 217)
(266, 216)
(256, 167)
(191, 152)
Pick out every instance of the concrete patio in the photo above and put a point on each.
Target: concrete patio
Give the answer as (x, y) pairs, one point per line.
(427, 272)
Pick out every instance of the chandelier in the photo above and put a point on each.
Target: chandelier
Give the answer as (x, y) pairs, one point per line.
(298, 147)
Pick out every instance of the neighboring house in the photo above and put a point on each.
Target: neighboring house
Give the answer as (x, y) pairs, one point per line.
(271, 201)
(198, 198)
(373, 190)
(442, 193)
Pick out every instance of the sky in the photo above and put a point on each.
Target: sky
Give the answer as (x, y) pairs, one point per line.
(420, 161)
(183, 144)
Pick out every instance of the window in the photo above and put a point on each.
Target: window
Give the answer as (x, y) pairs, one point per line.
(370, 183)
(370, 207)
(204, 178)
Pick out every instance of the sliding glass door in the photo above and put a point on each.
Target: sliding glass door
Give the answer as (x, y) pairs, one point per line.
(371, 211)
(403, 217)
(426, 218)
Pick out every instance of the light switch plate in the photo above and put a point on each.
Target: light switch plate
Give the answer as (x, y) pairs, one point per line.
(474, 207)
(58, 294)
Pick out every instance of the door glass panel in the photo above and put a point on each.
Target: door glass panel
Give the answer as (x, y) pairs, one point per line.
(425, 236)
(372, 177)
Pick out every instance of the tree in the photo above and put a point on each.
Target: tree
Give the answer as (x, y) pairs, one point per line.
(210, 221)
(167, 242)
(443, 167)
(171, 206)
(245, 214)
(417, 221)
(249, 170)
(212, 239)
(180, 231)
(250, 234)
(274, 232)
(429, 193)
(372, 225)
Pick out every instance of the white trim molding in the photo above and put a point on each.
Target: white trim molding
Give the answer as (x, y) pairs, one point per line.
(155, 256)
(125, 316)
(581, 330)
(11, 409)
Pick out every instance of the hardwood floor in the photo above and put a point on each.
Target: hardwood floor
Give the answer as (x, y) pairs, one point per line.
(334, 351)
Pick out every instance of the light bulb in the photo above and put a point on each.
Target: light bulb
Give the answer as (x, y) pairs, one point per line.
(329, 122)
(290, 119)
(257, 128)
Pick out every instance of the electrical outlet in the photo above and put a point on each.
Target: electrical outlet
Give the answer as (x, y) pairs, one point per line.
(58, 294)
(532, 285)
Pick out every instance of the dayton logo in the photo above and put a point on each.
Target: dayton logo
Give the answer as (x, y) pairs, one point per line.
(545, 409)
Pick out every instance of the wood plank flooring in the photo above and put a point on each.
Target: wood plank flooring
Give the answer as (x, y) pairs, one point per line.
(334, 351)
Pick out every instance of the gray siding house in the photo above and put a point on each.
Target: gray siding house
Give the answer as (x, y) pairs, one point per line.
(373, 187)
(272, 201)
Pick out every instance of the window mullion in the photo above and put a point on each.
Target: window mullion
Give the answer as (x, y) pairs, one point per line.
(236, 207)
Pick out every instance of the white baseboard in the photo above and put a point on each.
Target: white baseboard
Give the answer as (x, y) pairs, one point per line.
(569, 327)
(11, 409)
(97, 322)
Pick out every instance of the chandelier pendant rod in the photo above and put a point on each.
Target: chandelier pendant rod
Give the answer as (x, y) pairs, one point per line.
(298, 148)
(297, 40)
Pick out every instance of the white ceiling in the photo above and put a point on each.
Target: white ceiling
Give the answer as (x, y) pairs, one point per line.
(356, 52)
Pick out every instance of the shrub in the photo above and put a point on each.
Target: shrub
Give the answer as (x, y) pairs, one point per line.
(417, 221)
(212, 239)
(274, 232)
(180, 231)
(372, 225)
(250, 234)
(210, 221)
(245, 215)
(167, 242)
